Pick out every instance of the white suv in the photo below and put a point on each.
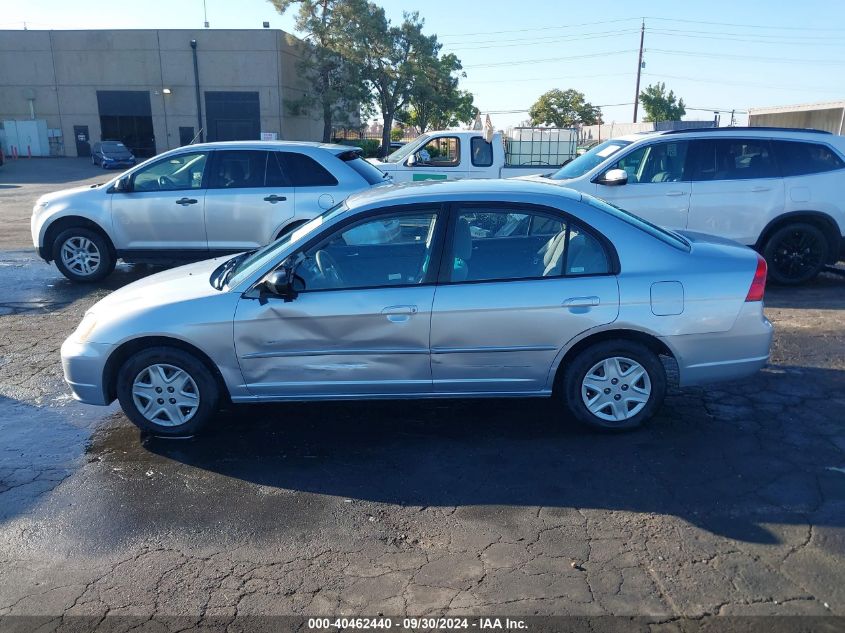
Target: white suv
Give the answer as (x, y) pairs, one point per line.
(195, 202)
(781, 191)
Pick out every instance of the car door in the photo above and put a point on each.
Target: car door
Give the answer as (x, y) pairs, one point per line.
(439, 159)
(736, 187)
(163, 208)
(248, 200)
(317, 189)
(518, 283)
(658, 188)
(360, 324)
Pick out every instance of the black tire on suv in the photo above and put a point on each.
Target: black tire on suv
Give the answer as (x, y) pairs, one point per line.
(795, 253)
(83, 255)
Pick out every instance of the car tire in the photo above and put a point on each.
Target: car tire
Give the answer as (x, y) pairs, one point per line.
(78, 241)
(622, 405)
(178, 409)
(795, 253)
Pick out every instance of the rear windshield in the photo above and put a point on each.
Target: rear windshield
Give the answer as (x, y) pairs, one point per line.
(669, 237)
(369, 172)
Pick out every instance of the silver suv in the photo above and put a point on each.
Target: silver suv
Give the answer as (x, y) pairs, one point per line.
(195, 202)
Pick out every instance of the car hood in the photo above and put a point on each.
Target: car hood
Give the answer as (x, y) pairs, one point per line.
(176, 285)
(382, 165)
(71, 194)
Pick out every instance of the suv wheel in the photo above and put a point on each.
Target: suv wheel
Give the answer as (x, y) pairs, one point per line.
(83, 255)
(614, 385)
(795, 253)
(167, 391)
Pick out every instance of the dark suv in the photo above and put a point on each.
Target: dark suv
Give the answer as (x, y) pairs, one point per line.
(108, 154)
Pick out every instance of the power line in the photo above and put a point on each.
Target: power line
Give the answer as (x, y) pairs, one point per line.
(550, 59)
(742, 83)
(776, 60)
(546, 78)
(539, 28)
(535, 41)
(747, 26)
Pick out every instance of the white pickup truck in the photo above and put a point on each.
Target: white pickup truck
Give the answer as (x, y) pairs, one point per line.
(454, 155)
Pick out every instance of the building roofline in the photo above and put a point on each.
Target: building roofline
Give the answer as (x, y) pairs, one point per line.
(801, 107)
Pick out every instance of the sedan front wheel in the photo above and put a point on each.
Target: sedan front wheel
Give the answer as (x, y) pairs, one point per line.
(615, 385)
(167, 391)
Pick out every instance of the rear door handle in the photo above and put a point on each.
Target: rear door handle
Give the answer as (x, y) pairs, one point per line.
(674, 194)
(581, 302)
(399, 314)
(760, 188)
(186, 201)
(274, 199)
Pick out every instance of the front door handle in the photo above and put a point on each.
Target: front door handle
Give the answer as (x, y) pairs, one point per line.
(274, 199)
(674, 194)
(399, 314)
(760, 188)
(581, 302)
(186, 201)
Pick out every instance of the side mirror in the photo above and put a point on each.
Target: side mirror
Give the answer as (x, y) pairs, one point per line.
(280, 282)
(613, 178)
(412, 160)
(123, 185)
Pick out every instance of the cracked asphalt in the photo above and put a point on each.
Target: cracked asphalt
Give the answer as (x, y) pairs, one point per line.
(731, 502)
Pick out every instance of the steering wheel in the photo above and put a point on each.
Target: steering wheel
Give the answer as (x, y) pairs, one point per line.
(328, 268)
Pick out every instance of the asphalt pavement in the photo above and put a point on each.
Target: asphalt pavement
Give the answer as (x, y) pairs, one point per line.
(730, 502)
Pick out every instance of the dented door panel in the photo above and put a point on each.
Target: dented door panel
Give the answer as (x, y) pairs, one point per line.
(337, 342)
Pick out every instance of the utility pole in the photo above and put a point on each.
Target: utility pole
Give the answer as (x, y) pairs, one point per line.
(639, 71)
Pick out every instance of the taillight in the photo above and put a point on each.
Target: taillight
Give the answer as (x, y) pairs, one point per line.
(758, 284)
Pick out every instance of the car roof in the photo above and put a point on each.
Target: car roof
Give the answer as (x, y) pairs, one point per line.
(503, 190)
(334, 148)
(728, 132)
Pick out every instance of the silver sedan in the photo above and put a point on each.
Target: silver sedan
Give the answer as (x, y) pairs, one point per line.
(453, 289)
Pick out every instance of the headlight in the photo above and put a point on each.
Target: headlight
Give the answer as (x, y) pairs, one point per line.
(89, 322)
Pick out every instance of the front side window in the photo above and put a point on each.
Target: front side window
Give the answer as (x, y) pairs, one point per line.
(183, 171)
(444, 151)
(304, 171)
(482, 152)
(798, 159)
(505, 244)
(391, 250)
(239, 169)
(658, 162)
(732, 159)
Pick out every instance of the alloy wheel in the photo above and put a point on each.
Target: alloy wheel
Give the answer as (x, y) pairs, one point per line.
(81, 256)
(798, 253)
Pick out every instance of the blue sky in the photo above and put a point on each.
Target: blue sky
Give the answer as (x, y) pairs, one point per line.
(721, 54)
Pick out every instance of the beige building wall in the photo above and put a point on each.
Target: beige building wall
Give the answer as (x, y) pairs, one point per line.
(60, 72)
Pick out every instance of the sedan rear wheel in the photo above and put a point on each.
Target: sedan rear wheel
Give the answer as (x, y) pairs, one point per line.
(167, 391)
(615, 385)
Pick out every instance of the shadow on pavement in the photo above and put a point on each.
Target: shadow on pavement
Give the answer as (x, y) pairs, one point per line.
(729, 461)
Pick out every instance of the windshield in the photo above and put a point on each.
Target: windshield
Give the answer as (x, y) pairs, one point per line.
(400, 154)
(256, 260)
(112, 146)
(589, 160)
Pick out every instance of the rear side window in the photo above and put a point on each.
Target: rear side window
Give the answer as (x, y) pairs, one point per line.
(732, 159)
(369, 172)
(238, 169)
(482, 152)
(797, 159)
(304, 171)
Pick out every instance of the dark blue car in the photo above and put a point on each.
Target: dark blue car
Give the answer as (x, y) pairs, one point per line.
(110, 154)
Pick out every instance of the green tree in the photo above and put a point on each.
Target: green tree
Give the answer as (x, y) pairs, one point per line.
(393, 59)
(564, 108)
(435, 102)
(660, 106)
(335, 83)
